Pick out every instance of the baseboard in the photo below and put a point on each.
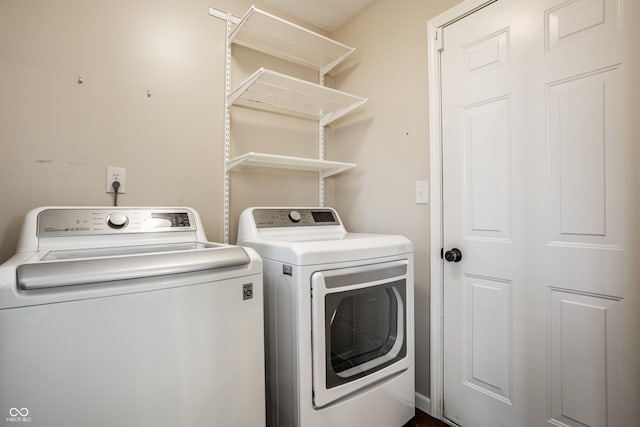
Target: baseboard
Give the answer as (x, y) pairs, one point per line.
(423, 403)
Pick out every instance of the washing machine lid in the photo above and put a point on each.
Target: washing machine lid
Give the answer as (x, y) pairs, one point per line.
(53, 269)
(314, 249)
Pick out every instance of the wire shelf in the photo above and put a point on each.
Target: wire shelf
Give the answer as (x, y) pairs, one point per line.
(275, 36)
(326, 168)
(272, 91)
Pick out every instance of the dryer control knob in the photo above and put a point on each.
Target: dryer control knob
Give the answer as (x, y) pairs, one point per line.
(117, 220)
(295, 216)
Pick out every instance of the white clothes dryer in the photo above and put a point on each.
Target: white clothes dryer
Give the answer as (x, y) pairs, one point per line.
(121, 316)
(339, 320)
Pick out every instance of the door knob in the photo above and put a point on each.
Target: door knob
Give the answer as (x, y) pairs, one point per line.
(453, 255)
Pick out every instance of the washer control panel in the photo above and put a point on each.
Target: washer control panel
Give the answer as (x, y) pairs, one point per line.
(265, 218)
(82, 222)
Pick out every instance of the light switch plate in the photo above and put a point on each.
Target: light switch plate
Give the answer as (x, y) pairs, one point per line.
(422, 192)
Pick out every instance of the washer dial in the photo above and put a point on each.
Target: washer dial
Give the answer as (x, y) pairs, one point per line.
(117, 220)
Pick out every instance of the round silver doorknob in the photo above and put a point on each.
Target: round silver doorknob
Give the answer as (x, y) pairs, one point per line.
(453, 255)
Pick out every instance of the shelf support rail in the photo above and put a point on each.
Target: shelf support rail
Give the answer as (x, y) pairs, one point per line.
(321, 147)
(227, 125)
(217, 13)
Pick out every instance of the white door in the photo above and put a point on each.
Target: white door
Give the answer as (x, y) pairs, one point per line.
(540, 195)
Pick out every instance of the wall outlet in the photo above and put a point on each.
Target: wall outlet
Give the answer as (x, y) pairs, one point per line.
(422, 192)
(116, 174)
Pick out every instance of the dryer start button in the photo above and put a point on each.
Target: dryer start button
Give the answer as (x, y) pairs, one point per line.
(295, 216)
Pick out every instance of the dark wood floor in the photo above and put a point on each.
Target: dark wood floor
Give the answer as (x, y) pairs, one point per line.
(423, 420)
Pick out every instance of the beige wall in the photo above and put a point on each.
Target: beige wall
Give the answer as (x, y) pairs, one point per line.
(389, 138)
(58, 136)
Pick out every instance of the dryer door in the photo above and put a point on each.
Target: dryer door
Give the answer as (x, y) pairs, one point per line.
(359, 325)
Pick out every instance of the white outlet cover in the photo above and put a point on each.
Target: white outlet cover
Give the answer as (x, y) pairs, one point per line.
(120, 174)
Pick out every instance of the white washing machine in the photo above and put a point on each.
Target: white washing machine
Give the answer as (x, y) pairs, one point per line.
(339, 323)
(113, 316)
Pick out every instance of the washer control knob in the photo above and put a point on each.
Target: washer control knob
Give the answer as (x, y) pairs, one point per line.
(117, 220)
(295, 216)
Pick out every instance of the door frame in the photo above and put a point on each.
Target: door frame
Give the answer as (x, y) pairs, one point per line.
(435, 28)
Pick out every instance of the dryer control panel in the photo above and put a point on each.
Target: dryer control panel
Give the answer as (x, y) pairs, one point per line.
(294, 217)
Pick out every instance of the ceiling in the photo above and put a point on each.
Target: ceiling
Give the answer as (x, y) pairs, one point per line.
(327, 14)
